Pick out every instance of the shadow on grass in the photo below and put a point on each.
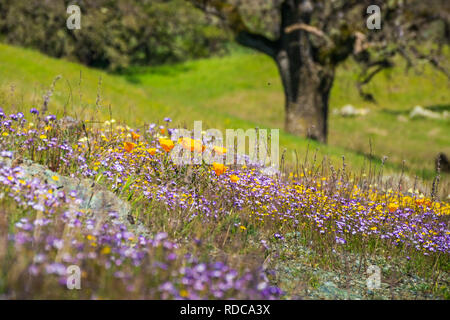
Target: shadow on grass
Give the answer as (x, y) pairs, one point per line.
(376, 161)
(135, 74)
(424, 174)
(439, 107)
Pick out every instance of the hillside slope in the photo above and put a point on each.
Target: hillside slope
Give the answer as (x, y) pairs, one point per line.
(242, 91)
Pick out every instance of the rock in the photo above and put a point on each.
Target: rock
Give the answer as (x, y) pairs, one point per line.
(97, 201)
(420, 112)
(330, 290)
(350, 111)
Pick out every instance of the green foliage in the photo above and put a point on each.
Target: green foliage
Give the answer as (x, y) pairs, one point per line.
(113, 34)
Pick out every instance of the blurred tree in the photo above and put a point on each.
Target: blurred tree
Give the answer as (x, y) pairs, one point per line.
(114, 34)
(308, 39)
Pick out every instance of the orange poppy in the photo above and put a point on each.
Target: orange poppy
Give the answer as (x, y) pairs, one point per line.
(220, 150)
(166, 144)
(129, 146)
(191, 144)
(135, 136)
(219, 168)
(392, 207)
(420, 201)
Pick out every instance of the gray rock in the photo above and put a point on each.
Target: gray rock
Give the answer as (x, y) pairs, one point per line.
(97, 201)
(350, 111)
(420, 112)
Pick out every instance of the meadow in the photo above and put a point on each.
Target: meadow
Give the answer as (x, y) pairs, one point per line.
(243, 90)
(101, 192)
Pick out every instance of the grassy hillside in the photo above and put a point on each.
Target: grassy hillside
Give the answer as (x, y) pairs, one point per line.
(113, 203)
(110, 199)
(242, 90)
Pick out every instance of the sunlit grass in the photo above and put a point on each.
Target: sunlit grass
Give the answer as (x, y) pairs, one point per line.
(243, 90)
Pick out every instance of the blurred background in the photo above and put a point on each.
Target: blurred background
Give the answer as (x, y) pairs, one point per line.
(141, 61)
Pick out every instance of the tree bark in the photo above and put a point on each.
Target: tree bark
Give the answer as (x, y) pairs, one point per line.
(306, 101)
(307, 80)
(306, 76)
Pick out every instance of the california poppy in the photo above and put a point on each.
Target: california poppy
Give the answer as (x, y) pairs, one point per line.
(129, 146)
(220, 150)
(392, 207)
(191, 144)
(219, 168)
(135, 136)
(166, 144)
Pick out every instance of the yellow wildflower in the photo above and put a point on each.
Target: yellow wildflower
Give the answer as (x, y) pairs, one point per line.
(152, 151)
(106, 250)
(234, 178)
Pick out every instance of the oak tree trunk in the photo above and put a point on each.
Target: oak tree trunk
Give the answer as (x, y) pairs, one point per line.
(306, 102)
(306, 79)
(306, 72)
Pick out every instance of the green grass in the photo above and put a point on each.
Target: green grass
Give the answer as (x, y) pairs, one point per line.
(243, 90)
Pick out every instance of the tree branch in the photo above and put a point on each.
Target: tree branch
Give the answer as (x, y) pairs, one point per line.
(310, 29)
(365, 77)
(230, 13)
(257, 42)
(431, 59)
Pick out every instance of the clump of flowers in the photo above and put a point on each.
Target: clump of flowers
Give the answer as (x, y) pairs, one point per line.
(55, 234)
(333, 211)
